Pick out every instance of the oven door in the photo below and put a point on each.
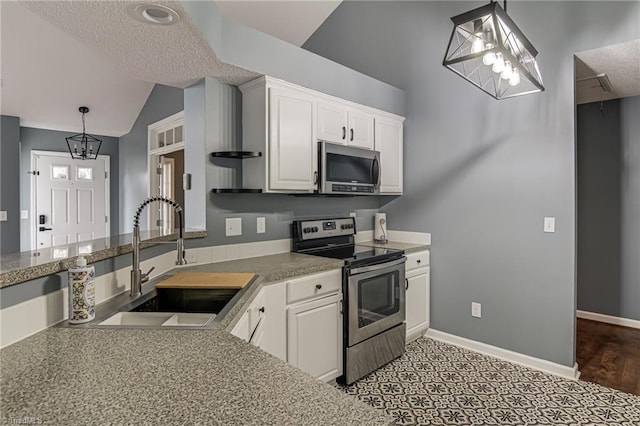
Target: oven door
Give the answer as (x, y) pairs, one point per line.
(375, 299)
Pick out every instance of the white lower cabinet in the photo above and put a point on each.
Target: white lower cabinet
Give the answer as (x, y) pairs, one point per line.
(314, 337)
(418, 286)
(300, 322)
(264, 322)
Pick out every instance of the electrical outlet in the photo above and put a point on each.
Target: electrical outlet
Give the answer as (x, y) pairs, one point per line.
(261, 225)
(24, 214)
(233, 226)
(476, 310)
(549, 224)
(3, 215)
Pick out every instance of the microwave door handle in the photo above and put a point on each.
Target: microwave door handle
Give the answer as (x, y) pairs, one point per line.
(375, 171)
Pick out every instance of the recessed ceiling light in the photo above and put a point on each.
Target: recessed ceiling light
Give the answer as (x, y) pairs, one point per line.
(154, 14)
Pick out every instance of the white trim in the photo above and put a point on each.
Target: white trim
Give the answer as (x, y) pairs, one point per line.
(507, 355)
(32, 205)
(609, 319)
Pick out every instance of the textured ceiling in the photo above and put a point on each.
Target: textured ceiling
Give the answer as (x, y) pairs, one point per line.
(291, 21)
(174, 55)
(621, 63)
(47, 75)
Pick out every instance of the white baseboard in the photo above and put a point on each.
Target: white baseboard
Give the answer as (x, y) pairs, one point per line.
(594, 316)
(507, 355)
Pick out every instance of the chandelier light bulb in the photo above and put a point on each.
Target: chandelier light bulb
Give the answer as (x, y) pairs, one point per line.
(507, 71)
(514, 80)
(478, 44)
(490, 57)
(498, 64)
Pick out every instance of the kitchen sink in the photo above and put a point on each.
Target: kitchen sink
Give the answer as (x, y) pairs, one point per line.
(162, 308)
(157, 319)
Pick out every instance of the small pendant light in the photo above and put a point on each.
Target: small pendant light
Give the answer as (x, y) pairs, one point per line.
(488, 49)
(83, 146)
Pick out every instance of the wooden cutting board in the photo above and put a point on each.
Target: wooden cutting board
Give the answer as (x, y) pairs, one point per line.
(207, 280)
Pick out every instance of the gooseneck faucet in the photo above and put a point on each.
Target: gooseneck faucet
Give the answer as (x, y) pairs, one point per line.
(137, 277)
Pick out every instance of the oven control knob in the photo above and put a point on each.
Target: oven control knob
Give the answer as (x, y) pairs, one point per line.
(314, 229)
(306, 230)
(343, 226)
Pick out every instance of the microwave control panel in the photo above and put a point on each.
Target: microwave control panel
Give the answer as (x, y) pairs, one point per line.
(313, 229)
(362, 189)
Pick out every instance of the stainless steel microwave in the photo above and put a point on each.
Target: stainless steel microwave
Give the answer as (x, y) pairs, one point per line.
(348, 170)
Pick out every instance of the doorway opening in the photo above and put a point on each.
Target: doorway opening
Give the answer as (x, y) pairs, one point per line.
(608, 215)
(166, 170)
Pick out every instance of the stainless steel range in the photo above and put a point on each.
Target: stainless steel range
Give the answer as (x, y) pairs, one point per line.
(373, 290)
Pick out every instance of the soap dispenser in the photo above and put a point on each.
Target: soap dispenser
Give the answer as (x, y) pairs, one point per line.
(82, 292)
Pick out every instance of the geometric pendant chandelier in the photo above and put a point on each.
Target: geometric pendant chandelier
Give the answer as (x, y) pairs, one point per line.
(83, 144)
(488, 49)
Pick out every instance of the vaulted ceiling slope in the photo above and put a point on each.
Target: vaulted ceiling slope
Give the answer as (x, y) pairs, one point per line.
(47, 74)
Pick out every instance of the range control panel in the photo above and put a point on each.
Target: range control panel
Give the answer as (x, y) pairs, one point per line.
(312, 229)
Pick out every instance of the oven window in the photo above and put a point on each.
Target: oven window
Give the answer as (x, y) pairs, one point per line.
(345, 168)
(378, 298)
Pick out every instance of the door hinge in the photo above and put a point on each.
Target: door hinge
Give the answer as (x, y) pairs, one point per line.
(159, 170)
(106, 175)
(159, 222)
(34, 172)
(106, 219)
(341, 307)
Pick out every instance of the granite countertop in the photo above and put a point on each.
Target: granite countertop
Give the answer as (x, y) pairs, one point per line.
(96, 376)
(28, 265)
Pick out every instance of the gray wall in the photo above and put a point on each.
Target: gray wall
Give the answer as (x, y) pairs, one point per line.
(53, 140)
(161, 103)
(260, 53)
(608, 148)
(9, 181)
(481, 174)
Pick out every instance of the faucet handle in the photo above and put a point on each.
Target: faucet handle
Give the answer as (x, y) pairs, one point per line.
(145, 277)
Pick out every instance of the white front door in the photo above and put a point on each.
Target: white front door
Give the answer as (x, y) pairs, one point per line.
(71, 199)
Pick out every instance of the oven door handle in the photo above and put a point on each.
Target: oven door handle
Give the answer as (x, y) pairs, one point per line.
(378, 267)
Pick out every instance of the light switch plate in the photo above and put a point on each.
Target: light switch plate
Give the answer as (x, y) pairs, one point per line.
(3, 215)
(233, 226)
(549, 224)
(24, 214)
(261, 225)
(476, 310)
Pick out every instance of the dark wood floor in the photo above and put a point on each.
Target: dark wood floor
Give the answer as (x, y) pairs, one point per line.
(609, 355)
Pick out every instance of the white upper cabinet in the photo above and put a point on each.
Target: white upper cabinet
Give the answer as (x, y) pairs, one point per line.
(340, 123)
(292, 157)
(388, 141)
(284, 122)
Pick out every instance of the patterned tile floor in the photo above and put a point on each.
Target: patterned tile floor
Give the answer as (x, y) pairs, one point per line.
(435, 383)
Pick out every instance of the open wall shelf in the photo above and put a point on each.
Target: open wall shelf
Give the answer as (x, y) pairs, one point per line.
(241, 155)
(236, 191)
(238, 155)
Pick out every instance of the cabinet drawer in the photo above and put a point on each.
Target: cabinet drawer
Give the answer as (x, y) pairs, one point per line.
(314, 285)
(417, 260)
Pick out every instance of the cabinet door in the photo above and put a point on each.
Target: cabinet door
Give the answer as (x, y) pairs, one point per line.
(273, 335)
(241, 329)
(388, 140)
(314, 337)
(292, 147)
(417, 303)
(332, 122)
(360, 129)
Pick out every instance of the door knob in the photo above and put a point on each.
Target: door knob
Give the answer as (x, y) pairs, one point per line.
(42, 228)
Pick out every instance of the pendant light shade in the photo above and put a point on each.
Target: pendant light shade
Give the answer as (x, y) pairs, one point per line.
(488, 49)
(83, 146)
